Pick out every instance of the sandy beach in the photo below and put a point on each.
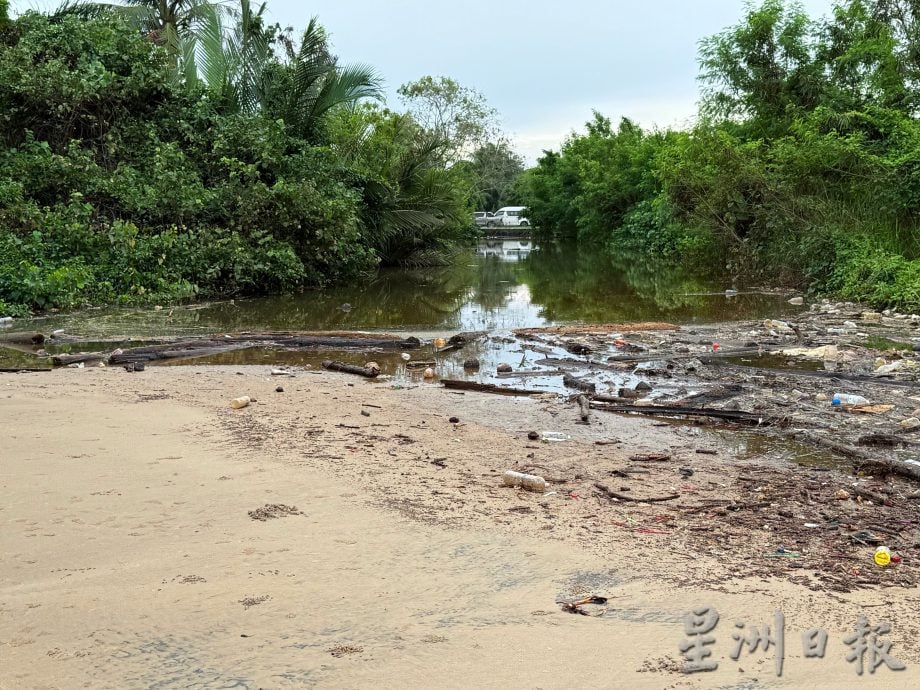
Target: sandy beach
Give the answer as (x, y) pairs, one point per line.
(343, 533)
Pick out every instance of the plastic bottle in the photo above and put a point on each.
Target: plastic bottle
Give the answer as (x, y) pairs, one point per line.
(531, 482)
(882, 556)
(847, 399)
(239, 403)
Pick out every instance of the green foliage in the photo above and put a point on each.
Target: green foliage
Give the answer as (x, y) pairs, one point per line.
(118, 184)
(804, 169)
(496, 168)
(416, 210)
(457, 115)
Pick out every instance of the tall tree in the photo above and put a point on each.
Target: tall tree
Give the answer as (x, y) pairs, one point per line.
(496, 168)
(763, 69)
(459, 115)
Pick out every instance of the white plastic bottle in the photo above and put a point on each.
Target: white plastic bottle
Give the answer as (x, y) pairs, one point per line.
(847, 399)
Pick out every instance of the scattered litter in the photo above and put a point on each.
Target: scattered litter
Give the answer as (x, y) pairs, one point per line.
(575, 605)
(530, 482)
(241, 402)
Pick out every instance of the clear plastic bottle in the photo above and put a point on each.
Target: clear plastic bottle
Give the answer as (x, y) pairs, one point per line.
(848, 399)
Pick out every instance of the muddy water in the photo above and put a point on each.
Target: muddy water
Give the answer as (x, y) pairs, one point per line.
(504, 284)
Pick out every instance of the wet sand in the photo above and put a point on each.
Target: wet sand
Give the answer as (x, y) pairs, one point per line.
(131, 560)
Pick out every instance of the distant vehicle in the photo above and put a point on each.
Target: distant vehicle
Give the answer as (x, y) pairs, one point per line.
(509, 216)
(481, 218)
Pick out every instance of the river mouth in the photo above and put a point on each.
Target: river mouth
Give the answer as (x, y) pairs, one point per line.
(502, 285)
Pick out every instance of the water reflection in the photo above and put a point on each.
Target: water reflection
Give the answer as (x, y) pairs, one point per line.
(503, 284)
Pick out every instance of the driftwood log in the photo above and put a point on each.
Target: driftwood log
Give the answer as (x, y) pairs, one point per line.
(29, 338)
(204, 347)
(62, 360)
(485, 387)
(570, 381)
(748, 418)
(367, 372)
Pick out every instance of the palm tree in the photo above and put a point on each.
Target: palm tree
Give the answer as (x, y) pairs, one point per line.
(310, 83)
(231, 61)
(167, 22)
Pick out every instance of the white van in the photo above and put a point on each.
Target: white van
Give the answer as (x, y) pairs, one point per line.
(509, 215)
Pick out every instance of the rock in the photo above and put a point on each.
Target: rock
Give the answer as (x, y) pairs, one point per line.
(797, 301)
(279, 389)
(504, 369)
(373, 367)
(471, 364)
(777, 327)
(643, 387)
(454, 420)
(842, 495)
(850, 325)
(820, 397)
(910, 423)
(916, 347)
(872, 316)
(533, 435)
(428, 373)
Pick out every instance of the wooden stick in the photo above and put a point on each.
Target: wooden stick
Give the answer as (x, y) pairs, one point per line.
(622, 497)
(485, 387)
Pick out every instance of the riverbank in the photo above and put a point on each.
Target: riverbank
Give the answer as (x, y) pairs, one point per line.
(140, 548)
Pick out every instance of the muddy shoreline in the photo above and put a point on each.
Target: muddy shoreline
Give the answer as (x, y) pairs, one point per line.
(659, 513)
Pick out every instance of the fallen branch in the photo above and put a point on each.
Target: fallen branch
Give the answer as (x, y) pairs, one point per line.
(485, 387)
(623, 497)
(570, 381)
(650, 457)
(885, 467)
(748, 418)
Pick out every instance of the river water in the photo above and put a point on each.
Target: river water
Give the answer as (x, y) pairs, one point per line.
(503, 284)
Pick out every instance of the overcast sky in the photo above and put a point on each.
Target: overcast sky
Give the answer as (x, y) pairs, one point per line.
(543, 65)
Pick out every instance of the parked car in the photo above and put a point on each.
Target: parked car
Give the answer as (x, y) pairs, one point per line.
(481, 218)
(509, 216)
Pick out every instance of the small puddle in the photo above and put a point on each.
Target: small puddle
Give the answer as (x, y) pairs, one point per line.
(768, 448)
